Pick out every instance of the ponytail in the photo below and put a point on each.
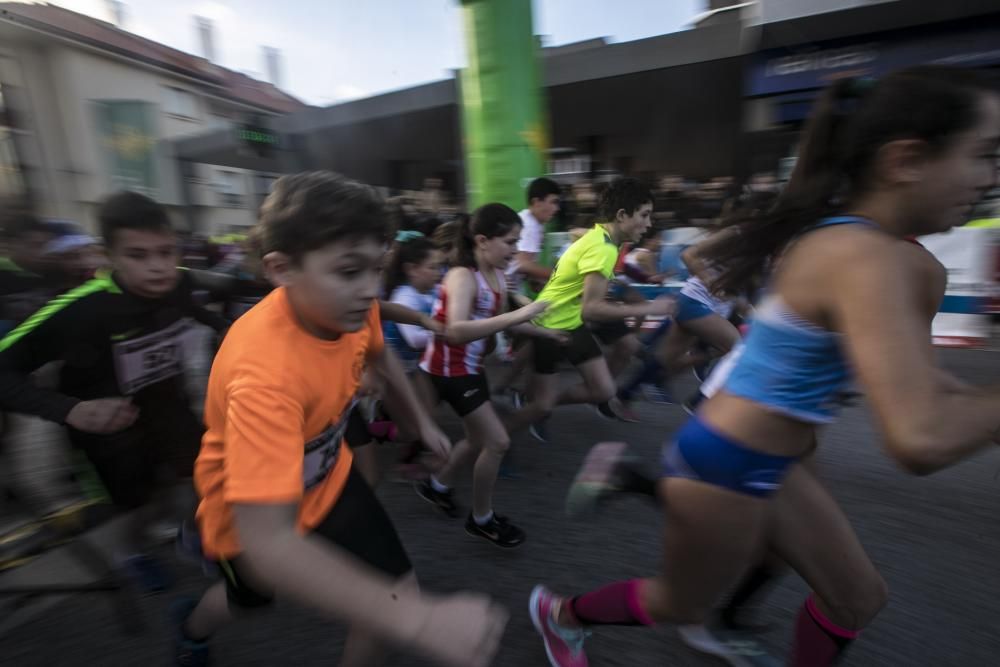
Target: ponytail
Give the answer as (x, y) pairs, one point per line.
(463, 245)
(489, 220)
(852, 120)
(761, 233)
(410, 247)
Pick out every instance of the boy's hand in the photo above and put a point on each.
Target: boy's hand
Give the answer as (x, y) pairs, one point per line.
(103, 415)
(462, 630)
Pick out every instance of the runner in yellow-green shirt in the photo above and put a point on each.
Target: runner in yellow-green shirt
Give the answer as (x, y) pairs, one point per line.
(576, 293)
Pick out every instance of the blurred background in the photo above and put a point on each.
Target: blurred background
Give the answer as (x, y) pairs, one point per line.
(701, 98)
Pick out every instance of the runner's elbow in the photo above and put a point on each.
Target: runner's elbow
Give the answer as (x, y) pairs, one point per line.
(917, 453)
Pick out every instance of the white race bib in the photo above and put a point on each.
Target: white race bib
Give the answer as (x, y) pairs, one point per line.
(140, 362)
(322, 452)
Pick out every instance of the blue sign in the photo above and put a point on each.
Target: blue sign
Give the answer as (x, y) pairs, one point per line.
(806, 67)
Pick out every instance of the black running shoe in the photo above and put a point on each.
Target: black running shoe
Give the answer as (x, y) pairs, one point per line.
(540, 430)
(443, 501)
(604, 409)
(517, 399)
(499, 531)
(187, 652)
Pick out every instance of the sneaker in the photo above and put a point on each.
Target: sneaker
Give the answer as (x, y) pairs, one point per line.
(736, 648)
(444, 501)
(691, 404)
(163, 531)
(517, 398)
(187, 652)
(540, 431)
(622, 410)
(604, 410)
(564, 646)
(657, 395)
(498, 530)
(597, 478)
(149, 573)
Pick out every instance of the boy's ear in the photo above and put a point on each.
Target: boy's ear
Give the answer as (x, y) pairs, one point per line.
(279, 269)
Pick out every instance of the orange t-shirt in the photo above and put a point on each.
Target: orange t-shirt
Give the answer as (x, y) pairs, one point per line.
(276, 411)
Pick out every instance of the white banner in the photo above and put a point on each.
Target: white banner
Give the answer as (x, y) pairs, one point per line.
(970, 256)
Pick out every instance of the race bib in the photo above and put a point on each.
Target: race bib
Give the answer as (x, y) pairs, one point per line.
(140, 362)
(322, 451)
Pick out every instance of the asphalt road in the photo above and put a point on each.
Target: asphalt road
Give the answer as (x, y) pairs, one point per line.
(935, 539)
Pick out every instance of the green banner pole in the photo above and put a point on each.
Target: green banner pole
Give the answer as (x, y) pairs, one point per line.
(504, 126)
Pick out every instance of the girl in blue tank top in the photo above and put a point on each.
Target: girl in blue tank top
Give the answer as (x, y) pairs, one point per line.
(847, 297)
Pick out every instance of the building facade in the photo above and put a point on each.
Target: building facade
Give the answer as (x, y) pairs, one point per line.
(87, 109)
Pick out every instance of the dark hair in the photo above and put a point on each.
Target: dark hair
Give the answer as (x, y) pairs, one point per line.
(490, 220)
(413, 250)
(623, 193)
(851, 122)
(17, 220)
(445, 235)
(309, 210)
(131, 210)
(540, 188)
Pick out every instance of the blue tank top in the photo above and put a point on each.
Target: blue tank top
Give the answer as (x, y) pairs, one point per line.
(788, 364)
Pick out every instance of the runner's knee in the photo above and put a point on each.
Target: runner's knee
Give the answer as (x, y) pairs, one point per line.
(497, 445)
(856, 605)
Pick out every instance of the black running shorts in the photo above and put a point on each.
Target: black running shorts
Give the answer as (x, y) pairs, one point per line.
(464, 393)
(135, 463)
(582, 347)
(357, 523)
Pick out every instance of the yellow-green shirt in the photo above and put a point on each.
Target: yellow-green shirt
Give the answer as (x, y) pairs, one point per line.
(594, 252)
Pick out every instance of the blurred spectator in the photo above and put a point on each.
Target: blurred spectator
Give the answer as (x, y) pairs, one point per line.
(73, 257)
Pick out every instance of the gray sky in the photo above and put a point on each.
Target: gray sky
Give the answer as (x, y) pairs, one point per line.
(335, 50)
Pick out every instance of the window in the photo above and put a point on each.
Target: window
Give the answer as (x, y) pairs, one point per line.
(219, 122)
(11, 182)
(177, 102)
(231, 188)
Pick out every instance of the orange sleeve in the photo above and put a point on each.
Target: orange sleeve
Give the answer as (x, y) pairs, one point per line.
(375, 340)
(264, 444)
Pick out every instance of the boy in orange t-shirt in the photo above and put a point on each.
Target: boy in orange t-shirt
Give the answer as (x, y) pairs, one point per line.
(282, 509)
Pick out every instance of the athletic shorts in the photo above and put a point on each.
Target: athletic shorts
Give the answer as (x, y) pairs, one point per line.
(689, 308)
(133, 464)
(356, 434)
(464, 393)
(610, 333)
(357, 523)
(582, 347)
(700, 453)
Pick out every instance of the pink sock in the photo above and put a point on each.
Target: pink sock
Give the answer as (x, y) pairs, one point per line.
(614, 604)
(819, 642)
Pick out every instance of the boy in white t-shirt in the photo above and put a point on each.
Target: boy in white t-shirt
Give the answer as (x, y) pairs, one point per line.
(543, 204)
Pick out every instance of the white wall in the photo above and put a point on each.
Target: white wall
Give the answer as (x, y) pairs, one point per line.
(71, 172)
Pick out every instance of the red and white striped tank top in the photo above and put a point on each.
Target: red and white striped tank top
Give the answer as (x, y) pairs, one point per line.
(441, 358)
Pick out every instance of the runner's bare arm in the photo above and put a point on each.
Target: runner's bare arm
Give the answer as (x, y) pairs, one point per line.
(400, 393)
(460, 285)
(454, 630)
(400, 314)
(887, 334)
(692, 255)
(596, 308)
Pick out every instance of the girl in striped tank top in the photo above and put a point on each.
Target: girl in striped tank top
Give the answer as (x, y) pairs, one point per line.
(471, 305)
